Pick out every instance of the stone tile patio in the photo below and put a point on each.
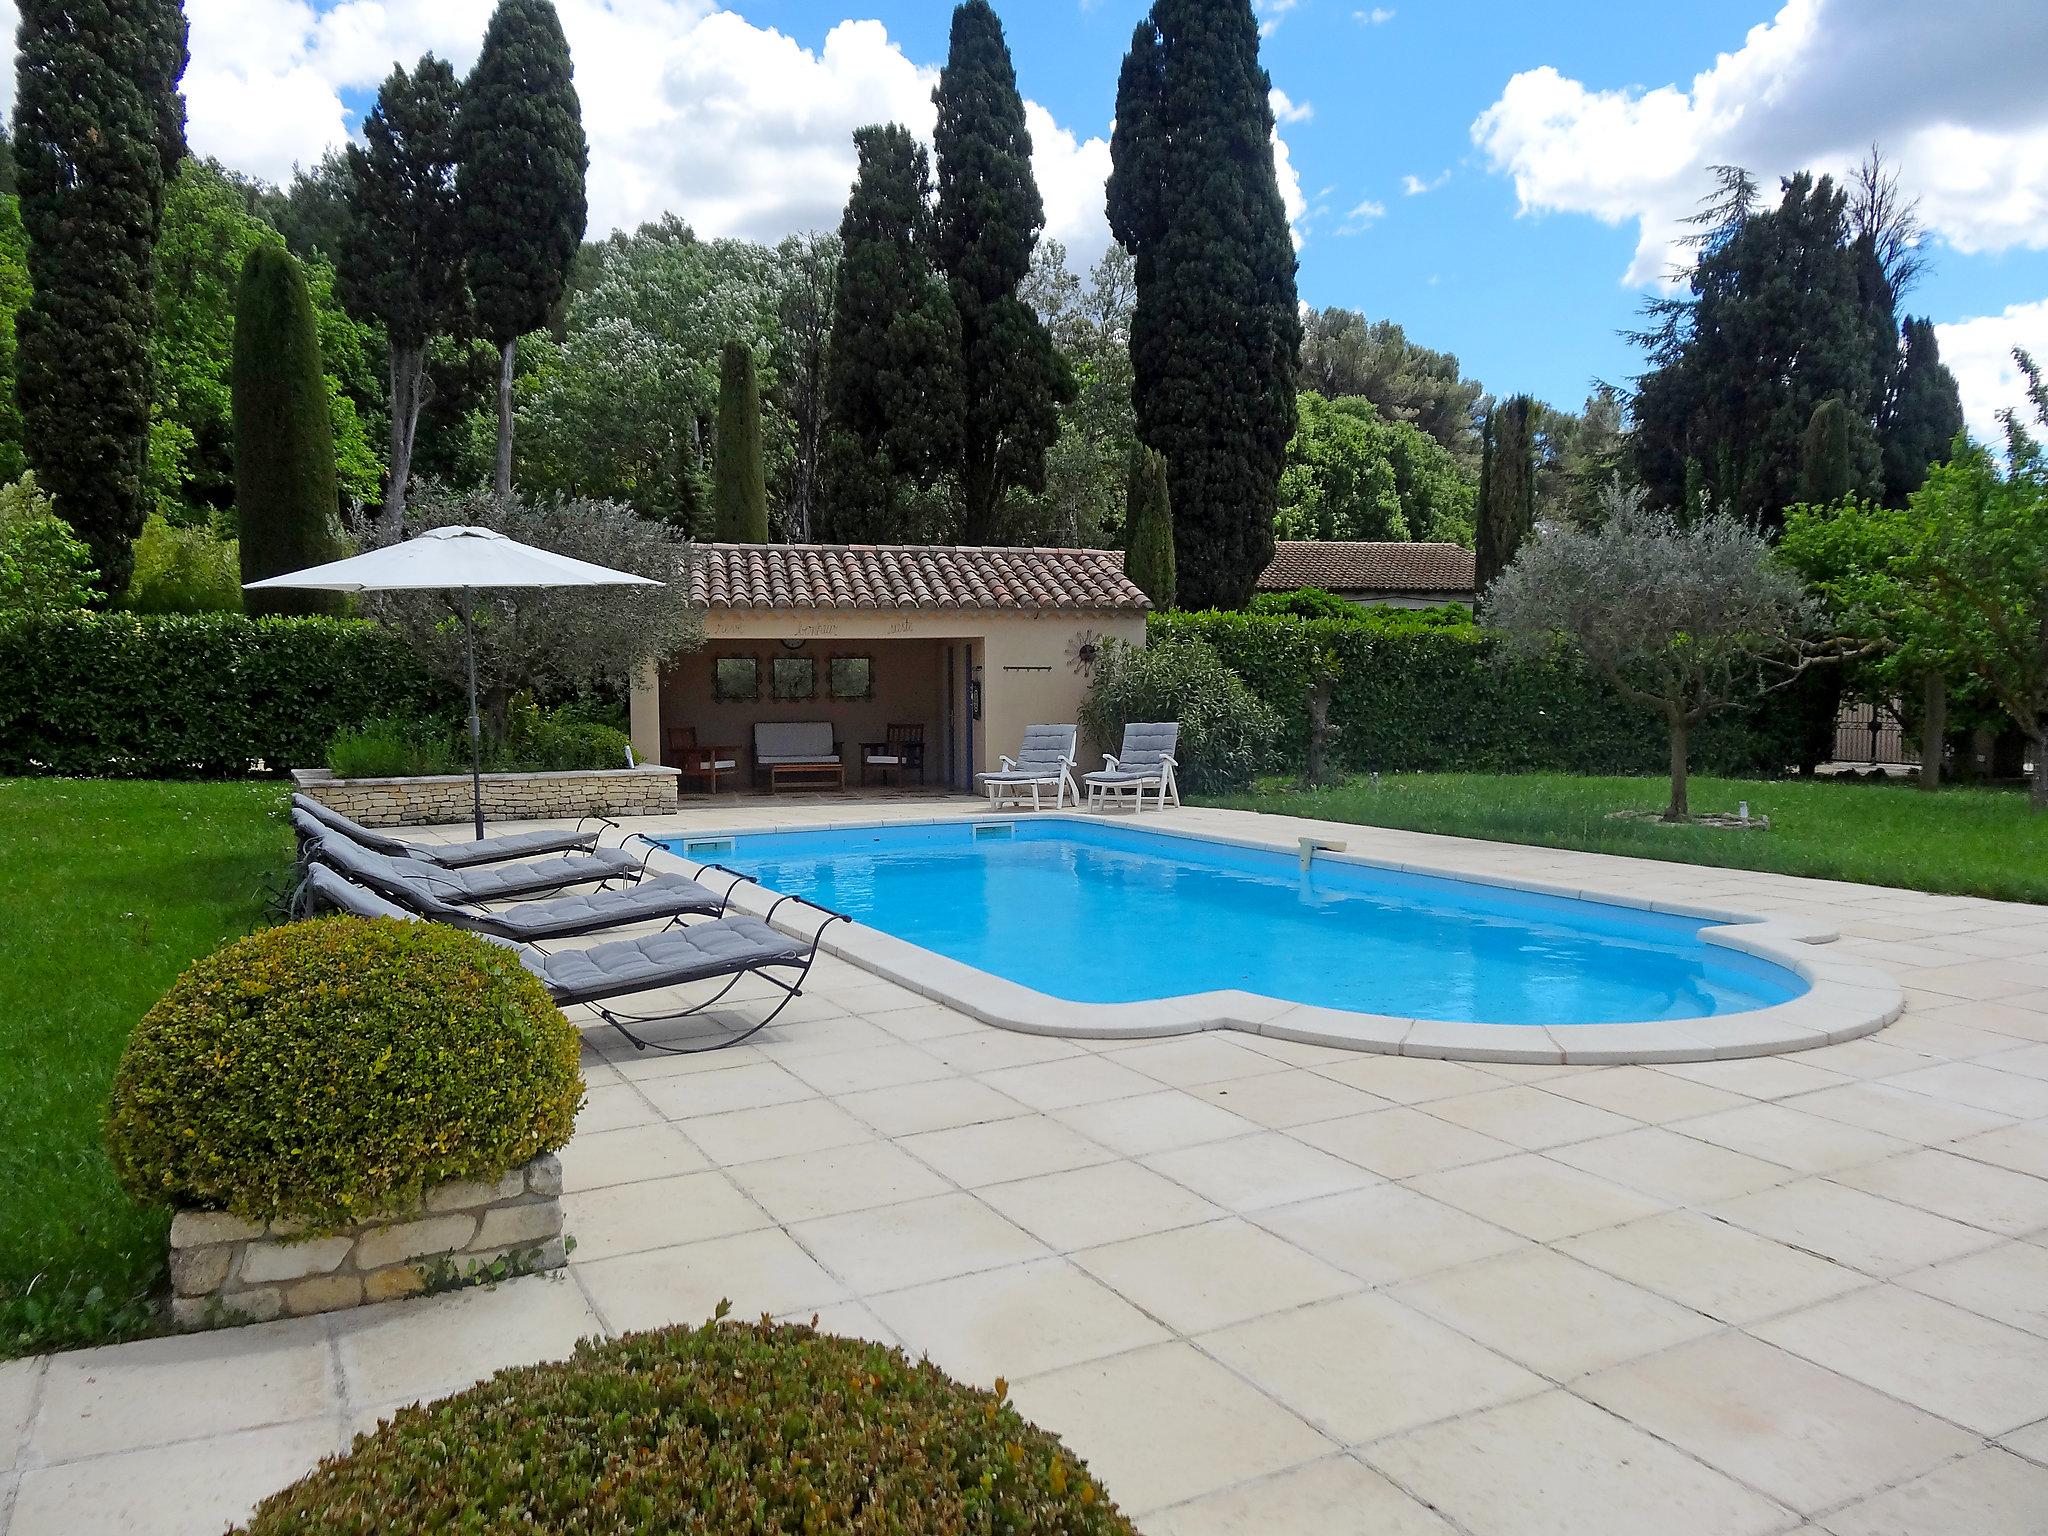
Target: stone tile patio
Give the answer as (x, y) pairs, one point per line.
(1271, 1288)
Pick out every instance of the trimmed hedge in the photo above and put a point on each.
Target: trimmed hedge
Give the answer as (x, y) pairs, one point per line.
(761, 1429)
(1418, 696)
(326, 1071)
(119, 695)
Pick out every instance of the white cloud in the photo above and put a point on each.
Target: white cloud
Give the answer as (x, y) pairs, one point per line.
(1415, 186)
(1071, 172)
(690, 109)
(1362, 218)
(1274, 11)
(1378, 16)
(1286, 110)
(1979, 353)
(1951, 92)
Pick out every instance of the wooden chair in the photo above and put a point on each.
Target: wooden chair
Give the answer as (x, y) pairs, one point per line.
(902, 752)
(700, 765)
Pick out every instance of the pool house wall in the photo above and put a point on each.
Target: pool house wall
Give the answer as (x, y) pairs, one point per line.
(1027, 664)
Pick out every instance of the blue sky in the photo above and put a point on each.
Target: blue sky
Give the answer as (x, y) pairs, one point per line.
(1533, 301)
(1555, 146)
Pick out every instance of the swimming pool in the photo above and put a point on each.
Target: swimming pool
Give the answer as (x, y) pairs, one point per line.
(1093, 912)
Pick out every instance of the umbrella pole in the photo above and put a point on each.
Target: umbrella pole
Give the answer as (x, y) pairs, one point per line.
(476, 730)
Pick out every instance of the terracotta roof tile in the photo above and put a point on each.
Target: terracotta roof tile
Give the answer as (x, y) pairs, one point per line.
(1337, 566)
(810, 576)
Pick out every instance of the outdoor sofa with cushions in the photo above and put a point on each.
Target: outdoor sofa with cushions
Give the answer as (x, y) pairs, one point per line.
(1044, 761)
(788, 748)
(1146, 762)
(497, 882)
(724, 949)
(429, 892)
(490, 850)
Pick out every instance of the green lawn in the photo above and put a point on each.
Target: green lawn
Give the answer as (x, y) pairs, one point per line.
(107, 891)
(1968, 842)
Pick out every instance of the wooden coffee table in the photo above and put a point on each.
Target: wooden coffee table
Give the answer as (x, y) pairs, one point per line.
(806, 775)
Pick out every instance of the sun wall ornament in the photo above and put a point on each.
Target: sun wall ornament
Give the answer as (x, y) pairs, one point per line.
(1082, 651)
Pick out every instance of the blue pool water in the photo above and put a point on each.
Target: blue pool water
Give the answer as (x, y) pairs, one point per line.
(1107, 913)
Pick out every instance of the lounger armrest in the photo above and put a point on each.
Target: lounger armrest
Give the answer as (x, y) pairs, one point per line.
(1109, 764)
(1009, 764)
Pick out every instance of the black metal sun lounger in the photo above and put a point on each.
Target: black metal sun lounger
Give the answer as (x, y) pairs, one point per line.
(724, 949)
(654, 898)
(396, 877)
(490, 850)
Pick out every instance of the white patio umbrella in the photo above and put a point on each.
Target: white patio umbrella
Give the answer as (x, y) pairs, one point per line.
(465, 560)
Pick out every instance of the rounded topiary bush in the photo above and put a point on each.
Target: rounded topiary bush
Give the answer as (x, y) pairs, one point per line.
(331, 1070)
(761, 1428)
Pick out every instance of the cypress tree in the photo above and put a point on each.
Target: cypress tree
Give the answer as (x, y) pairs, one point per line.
(285, 492)
(1926, 414)
(401, 249)
(892, 375)
(98, 128)
(1148, 530)
(989, 217)
(1825, 476)
(1216, 338)
(522, 161)
(1505, 513)
(739, 491)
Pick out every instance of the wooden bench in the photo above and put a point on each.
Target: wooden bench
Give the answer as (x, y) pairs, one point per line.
(798, 752)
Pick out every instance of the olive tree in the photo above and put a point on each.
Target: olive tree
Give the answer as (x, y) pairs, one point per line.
(548, 640)
(1685, 620)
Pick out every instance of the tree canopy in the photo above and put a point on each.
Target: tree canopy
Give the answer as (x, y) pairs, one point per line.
(99, 127)
(1343, 353)
(893, 393)
(1682, 619)
(284, 445)
(985, 227)
(1505, 513)
(1216, 339)
(401, 262)
(1352, 474)
(739, 496)
(521, 162)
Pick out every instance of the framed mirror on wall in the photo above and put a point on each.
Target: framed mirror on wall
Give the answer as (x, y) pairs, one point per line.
(851, 678)
(736, 679)
(795, 679)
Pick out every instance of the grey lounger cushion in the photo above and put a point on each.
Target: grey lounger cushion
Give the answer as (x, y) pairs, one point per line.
(326, 891)
(664, 896)
(726, 947)
(652, 900)
(406, 879)
(1046, 750)
(491, 850)
(1146, 748)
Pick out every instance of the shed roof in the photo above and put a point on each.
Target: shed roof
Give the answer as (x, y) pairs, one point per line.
(1341, 566)
(910, 576)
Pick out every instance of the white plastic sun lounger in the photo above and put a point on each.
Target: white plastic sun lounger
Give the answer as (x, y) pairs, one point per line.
(1044, 761)
(1146, 762)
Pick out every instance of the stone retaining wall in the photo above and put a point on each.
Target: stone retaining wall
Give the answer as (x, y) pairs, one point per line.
(646, 791)
(227, 1270)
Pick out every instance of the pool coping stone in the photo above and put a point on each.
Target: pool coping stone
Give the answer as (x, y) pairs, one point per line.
(1844, 1000)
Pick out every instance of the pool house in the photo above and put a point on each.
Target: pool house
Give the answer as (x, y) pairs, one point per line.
(841, 665)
